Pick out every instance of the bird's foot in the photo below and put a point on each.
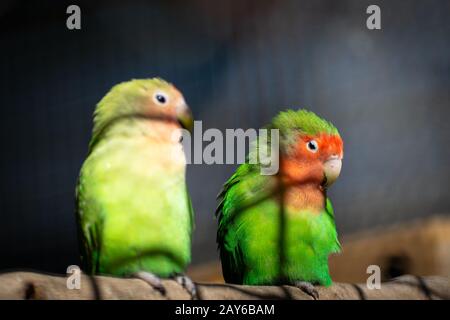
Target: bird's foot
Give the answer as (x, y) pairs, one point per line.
(153, 280)
(186, 282)
(307, 288)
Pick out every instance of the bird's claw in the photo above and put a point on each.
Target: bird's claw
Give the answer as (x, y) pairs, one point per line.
(308, 288)
(187, 284)
(153, 280)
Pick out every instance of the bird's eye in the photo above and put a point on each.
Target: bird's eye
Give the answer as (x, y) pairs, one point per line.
(312, 146)
(160, 98)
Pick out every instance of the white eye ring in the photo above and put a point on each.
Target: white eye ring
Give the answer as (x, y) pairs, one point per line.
(160, 98)
(312, 146)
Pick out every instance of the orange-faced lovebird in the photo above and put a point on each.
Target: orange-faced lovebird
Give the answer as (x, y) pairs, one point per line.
(280, 229)
(133, 209)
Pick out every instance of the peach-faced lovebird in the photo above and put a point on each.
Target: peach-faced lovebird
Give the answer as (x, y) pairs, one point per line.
(134, 213)
(280, 229)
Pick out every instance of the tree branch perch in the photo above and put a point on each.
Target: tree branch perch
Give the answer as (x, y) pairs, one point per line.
(30, 285)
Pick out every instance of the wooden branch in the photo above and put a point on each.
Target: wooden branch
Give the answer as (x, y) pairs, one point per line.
(30, 285)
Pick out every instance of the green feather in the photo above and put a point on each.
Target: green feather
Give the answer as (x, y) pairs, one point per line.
(304, 121)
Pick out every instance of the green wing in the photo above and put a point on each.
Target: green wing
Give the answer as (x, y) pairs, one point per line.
(240, 192)
(89, 228)
(191, 213)
(230, 253)
(330, 211)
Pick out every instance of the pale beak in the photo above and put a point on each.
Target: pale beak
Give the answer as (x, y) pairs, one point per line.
(332, 168)
(184, 117)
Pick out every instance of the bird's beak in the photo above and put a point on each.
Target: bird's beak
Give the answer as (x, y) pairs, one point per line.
(184, 117)
(332, 169)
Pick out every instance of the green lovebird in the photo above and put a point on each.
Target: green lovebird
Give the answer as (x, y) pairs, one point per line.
(280, 229)
(133, 209)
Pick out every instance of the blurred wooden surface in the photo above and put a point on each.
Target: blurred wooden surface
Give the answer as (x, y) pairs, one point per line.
(419, 248)
(29, 285)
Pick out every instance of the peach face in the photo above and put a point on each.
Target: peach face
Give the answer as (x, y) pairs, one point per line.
(167, 101)
(315, 158)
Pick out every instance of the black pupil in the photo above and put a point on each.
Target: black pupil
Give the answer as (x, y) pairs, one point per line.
(160, 98)
(312, 146)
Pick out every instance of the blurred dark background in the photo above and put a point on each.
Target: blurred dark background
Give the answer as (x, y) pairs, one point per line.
(238, 63)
